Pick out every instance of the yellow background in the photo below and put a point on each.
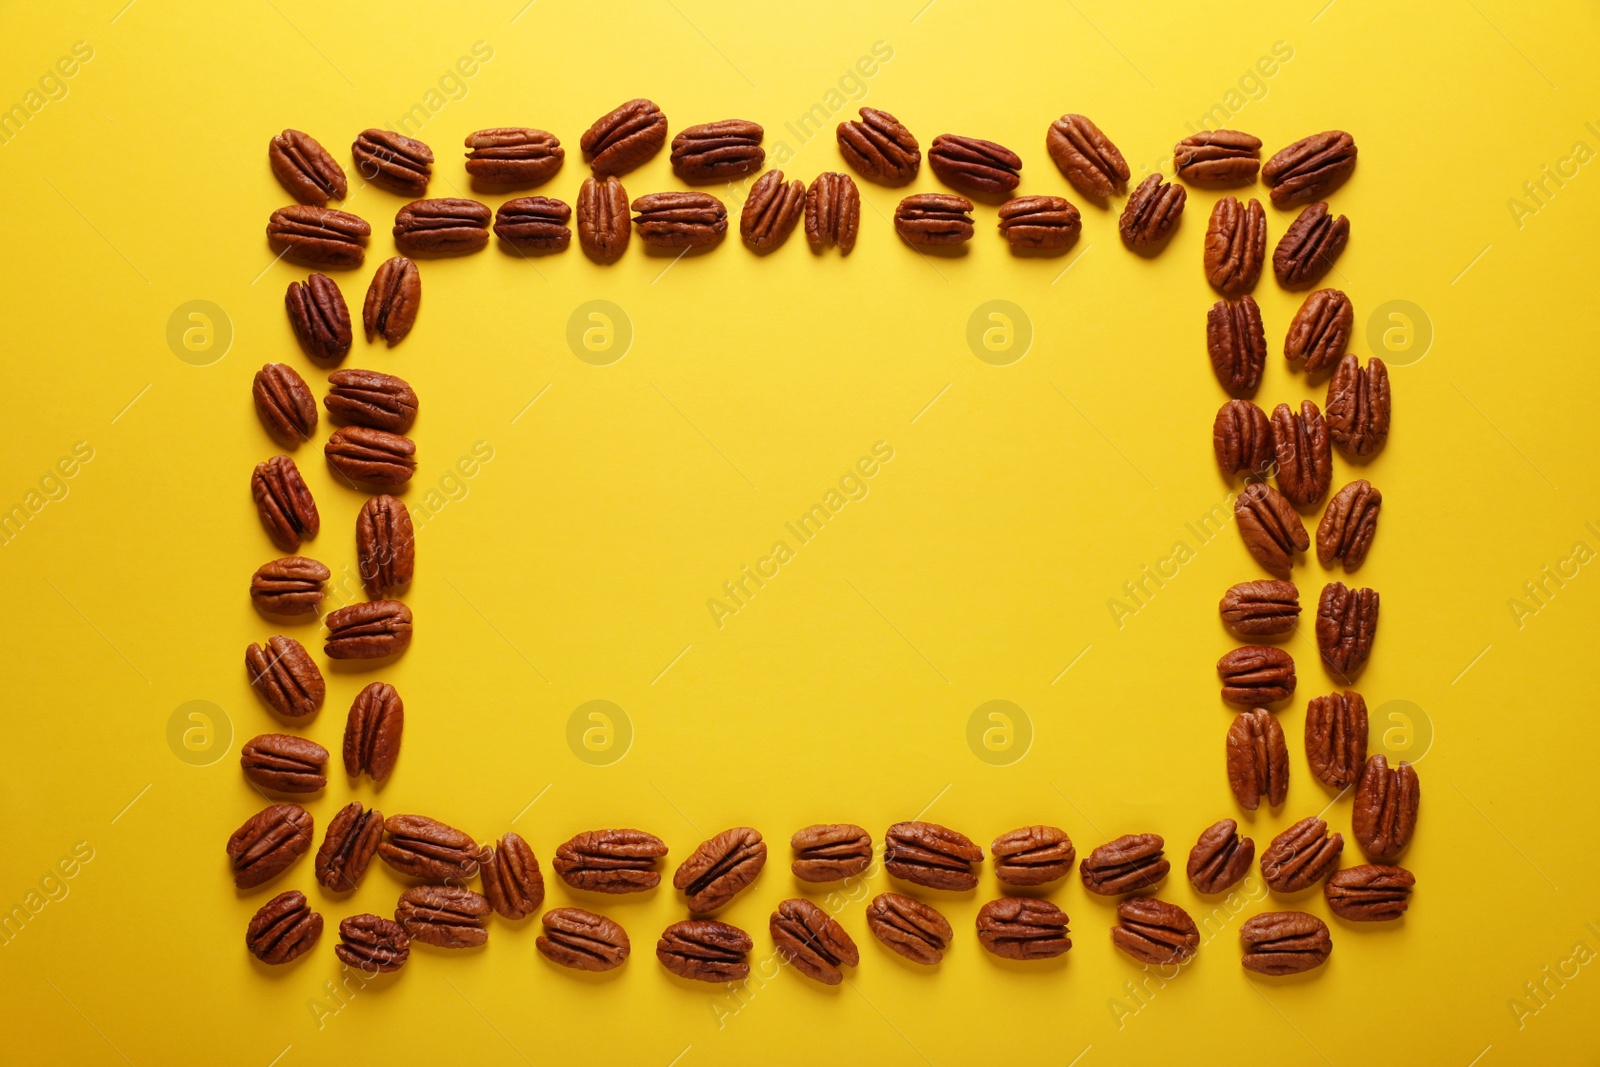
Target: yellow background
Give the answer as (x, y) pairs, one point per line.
(577, 564)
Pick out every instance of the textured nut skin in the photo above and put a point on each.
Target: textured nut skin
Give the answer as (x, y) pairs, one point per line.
(879, 148)
(445, 916)
(1151, 213)
(718, 151)
(1358, 406)
(624, 137)
(603, 223)
(284, 929)
(1270, 527)
(1336, 738)
(974, 165)
(372, 944)
(1310, 168)
(1237, 344)
(285, 677)
(511, 877)
(582, 940)
(1220, 858)
(268, 843)
(348, 847)
(610, 861)
(1033, 855)
(1236, 246)
(931, 855)
(680, 220)
(318, 236)
(716, 871)
(534, 224)
(368, 631)
(1309, 246)
(1284, 942)
(1304, 453)
(1301, 856)
(1347, 622)
(833, 212)
(1130, 863)
(1258, 760)
(319, 317)
(1241, 437)
(394, 161)
(1023, 928)
(288, 586)
(427, 849)
(1155, 932)
(372, 732)
(934, 219)
(1319, 334)
(367, 398)
(285, 763)
(1086, 156)
(1217, 157)
(445, 226)
(386, 546)
(513, 155)
(771, 211)
(1369, 893)
(284, 402)
(1256, 675)
(376, 457)
(909, 928)
(1262, 607)
(1348, 526)
(305, 169)
(1047, 223)
(828, 852)
(810, 939)
(704, 950)
(390, 309)
(1385, 813)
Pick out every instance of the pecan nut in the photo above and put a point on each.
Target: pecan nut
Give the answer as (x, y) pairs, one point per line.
(704, 950)
(1086, 156)
(445, 916)
(934, 219)
(1319, 334)
(268, 843)
(445, 226)
(320, 319)
(1385, 813)
(305, 169)
(811, 940)
(1155, 932)
(1217, 157)
(285, 676)
(1033, 855)
(833, 212)
(909, 928)
(1310, 168)
(427, 850)
(1270, 526)
(367, 398)
(880, 148)
(582, 940)
(534, 223)
(1153, 209)
(718, 151)
(1347, 621)
(1358, 406)
(624, 137)
(828, 852)
(1126, 865)
(1258, 760)
(1262, 607)
(399, 163)
(372, 732)
(1241, 437)
(1023, 928)
(511, 877)
(1236, 246)
(931, 855)
(283, 929)
(368, 631)
(378, 457)
(974, 165)
(285, 763)
(716, 871)
(513, 155)
(1256, 675)
(1220, 858)
(1336, 738)
(1371, 892)
(392, 300)
(284, 402)
(288, 586)
(1284, 942)
(771, 211)
(1301, 856)
(318, 236)
(1237, 344)
(603, 224)
(348, 846)
(1309, 246)
(386, 548)
(1047, 223)
(372, 944)
(680, 220)
(610, 861)
(1349, 524)
(1304, 453)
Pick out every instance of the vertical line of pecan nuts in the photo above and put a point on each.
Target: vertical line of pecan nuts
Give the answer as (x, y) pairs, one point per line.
(291, 585)
(348, 846)
(1358, 406)
(534, 223)
(1349, 524)
(1310, 168)
(934, 219)
(1152, 210)
(268, 844)
(973, 165)
(720, 868)
(1304, 453)
(386, 546)
(624, 137)
(445, 916)
(513, 155)
(771, 211)
(1086, 156)
(285, 763)
(1309, 246)
(443, 226)
(582, 940)
(812, 941)
(305, 169)
(1220, 858)
(1237, 344)
(880, 148)
(1347, 621)
(1336, 738)
(1241, 437)
(372, 731)
(1049, 223)
(1369, 892)
(680, 220)
(376, 457)
(1023, 928)
(390, 309)
(318, 236)
(372, 944)
(1258, 760)
(1033, 855)
(909, 928)
(511, 878)
(828, 852)
(320, 318)
(368, 398)
(704, 950)
(1130, 863)
(1319, 334)
(1260, 608)
(931, 855)
(833, 212)
(283, 929)
(396, 162)
(285, 677)
(1271, 528)
(1155, 932)
(603, 223)
(368, 631)
(1217, 157)
(1301, 856)
(1256, 675)
(1284, 942)
(1385, 813)
(718, 151)
(1236, 246)
(284, 402)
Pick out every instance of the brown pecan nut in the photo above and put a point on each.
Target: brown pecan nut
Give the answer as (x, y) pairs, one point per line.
(582, 940)
(1237, 344)
(1236, 246)
(811, 940)
(445, 226)
(680, 220)
(1151, 213)
(718, 151)
(704, 950)
(386, 548)
(318, 236)
(368, 631)
(319, 316)
(1265, 606)
(771, 211)
(934, 219)
(610, 861)
(284, 402)
(926, 853)
(624, 137)
(511, 877)
(1217, 157)
(367, 398)
(372, 944)
(285, 676)
(1385, 814)
(1086, 156)
(1048, 223)
(1319, 334)
(1256, 675)
(1369, 893)
(305, 168)
(1220, 857)
(1358, 406)
(288, 586)
(284, 929)
(1023, 928)
(833, 212)
(909, 928)
(392, 300)
(1304, 453)
(376, 457)
(880, 148)
(445, 916)
(428, 850)
(1258, 760)
(1033, 855)
(268, 843)
(974, 165)
(1130, 863)
(1336, 738)
(534, 223)
(828, 852)
(348, 846)
(720, 868)
(1310, 168)
(1284, 942)
(372, 732)
(1241, 437)
(1270, 526)
(1309, 246)
(603, 224)
(1301, 856)
(285, 763)
(513, 155)
(1347, 621)
(1349, 524)
(394, 161)
(1155, 932)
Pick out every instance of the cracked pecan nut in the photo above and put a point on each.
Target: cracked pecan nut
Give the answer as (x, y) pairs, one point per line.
(624, 137)
(372, 944)
(318, 236)
(1304, 453)
(1237, 344)
(1153, 209)
(704, 950)
(445, 916)
(1241, 437)
(427, 850)
(974, 165)
(1358, 406)
(1258, 760)
(1155, 932)
(879, 148)
(603, 223)
(1347, 621)
(1262, 607)
(390, 309)
(1217, 157)
(288, 586)
(305, 169)
(511, 877)
(1309, 246)
(1086, 156)
(348, 847)
(320, 319)
(367, 398)
(284, 402)
(1049, 223)
(1301, 856)
(1126, 865)
(268, 843)
(582, 940)
(283, 929)
(1220, 858)
(513, 155)
(931, 855)
(934, 219)
(372, 732)
(1236, 246)
(1310, 168)
(716, 871)
(1349, 524)
(399, 163)
(368, 631)
(909, 928)
(1385, 813)
(718, 151)
(828, 852)
(680, 220)
(1270, 527)
(1370, 892)
(833, 212)
(610, 861)
(811, 940)
(1284, 942)
(1319, 334)
(1336, 738)
(444, 226)
(386, 547)
(1023, 928)
(285, 763)
(285, 676)
(1256, 675)
(771, 211)
(1033, 855)
(376, 457)
(534, 223)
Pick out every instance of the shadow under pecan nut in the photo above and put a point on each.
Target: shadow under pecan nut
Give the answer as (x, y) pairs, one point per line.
(1262, 607)
(974, 165)
(1385, 813)
(1023, 928)
(1033, 855)
(318, 236)
(680, 220)
(716, 871)
(879, 147)
(603, 223)
(1310, 168)
(771, 211)
(1217, 157)
(1319, 334)
(1258, 760)
(931, 855)
(372, 732)
(306, 169)
(1358, 406)
(1220, 858)
(285, 763)
(1349, 525)
(718, 151)
(372, 944)
(376, 457)
(1284, 942)
(511, 877)
(399, 163)
(283, 929)
(1301, 856)
(445, 916)
(1241, 437)
(811, 940)
(1126, 865)
(1046, 223)
(348, 846)
(1086, 156)
(368, 631)
(285, 676)
(833, 212)
(1309, 246)
(1237, 344)
(1152, 211)
(386, 549)
(320, 319)
(934, 219)
(268, 843)
(704, 950)
(288, 586)
(1304, 453)
(390, 309)
(1347, 622)
(1155, 932)
(610, 861)
(1256, 675)
(828, 852)
(444, 226)
(1336, 738)
(513, 155)
(624, 137)
(534, 223)
(1270, 527)
(909, 928)
(367, 398)
(427, 849)
(1236, 246)
(284, 402)
(1370, 892)
(582, 940)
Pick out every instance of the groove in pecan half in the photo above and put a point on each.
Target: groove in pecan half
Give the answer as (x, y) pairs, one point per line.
(288, 586)
(390, 309)
(1370, 892)
(811, 940)
(1304, 453)
(624, 137)
(534, 224)
(1023, 928)
(348, 847)
(1086, 156)
(372, 944)
(372, 731)
(771, 211)
(386, 547)
(931, 855)
(1033, 855)
(1262, 607)
(1241, 437)
(582, 940)
(513, 155)
(427, 850)
(716, 871)
(1256, 675)
(610, 861)
(375, 457)
(704, 950)
(399, 163)
(603, 223)
(284, 402)
(368, 631)
(718, 151)
(285, 763)
(1237, 344)
(680, 220)
(1385, 814)
(1347, 622)
(1319, 334)
(1349, 524)
(1309, 246)
(1284, 942)
(909, 928)
(1152, 211)
(1358, 406)
(1270, 527)
(880, 148)
(283, 929)
(444, 226)
(268, 843)
(1126, 865)
(511, 877)
(1301, 856)
(305, 168)
(1258, 760)
(1310, 168)
(284, 676)
(320, 319)
(1155, 932)
(934, 219)
(974, 165)
(1236, 246)
(1047, 223)
(1217, 157)
(318, 236)
(833, 212)
(1336, 738)
(445, 916)
(828, 852)
(1220, 858)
